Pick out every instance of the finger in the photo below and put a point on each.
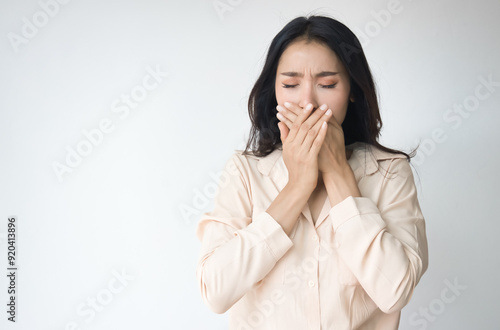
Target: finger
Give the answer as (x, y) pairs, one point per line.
(293, 108)
(320, 138)
(286, 114)
(292, 111)
(282, 135)
(296, 130)
(335, 122)
(283, 132)
(282, 117)
(309, 124)
(316, 129)
(317, 114)
(291, 115)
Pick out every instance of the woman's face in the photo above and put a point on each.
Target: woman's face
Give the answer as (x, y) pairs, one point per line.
(312, 73)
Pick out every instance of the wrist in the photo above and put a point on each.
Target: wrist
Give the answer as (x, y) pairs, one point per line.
(338, 171)
(298, 190)
(340, 185)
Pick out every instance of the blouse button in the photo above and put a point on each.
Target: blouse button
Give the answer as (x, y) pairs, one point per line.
(311, 284)
(315, 238)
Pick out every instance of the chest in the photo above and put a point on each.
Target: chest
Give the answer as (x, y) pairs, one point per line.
(316, 202)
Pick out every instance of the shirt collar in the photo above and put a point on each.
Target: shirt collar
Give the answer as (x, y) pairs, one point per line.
(270, 164)
(274, 167)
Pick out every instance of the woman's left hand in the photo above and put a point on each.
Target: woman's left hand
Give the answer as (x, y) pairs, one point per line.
(332, 155)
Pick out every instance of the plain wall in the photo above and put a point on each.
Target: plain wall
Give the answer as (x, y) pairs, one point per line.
(106, 237)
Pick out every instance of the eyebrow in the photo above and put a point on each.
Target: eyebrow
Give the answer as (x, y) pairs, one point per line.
(318, 75)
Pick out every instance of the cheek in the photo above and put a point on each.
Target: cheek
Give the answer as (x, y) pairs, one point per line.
(339, 115)
(279, 98)
(279, 94)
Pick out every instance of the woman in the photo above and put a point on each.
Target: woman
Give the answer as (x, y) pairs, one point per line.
(320, 226)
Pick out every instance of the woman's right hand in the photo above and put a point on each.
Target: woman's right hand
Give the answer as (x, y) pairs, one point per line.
(301, 145)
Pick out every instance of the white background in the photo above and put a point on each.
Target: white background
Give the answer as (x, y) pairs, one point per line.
(120, 207)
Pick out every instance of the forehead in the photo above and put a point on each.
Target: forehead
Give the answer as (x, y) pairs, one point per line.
(300, 55)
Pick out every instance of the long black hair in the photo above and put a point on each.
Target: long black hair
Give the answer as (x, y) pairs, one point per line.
(362, 122)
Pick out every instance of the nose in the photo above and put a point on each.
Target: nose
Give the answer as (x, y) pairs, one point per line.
(307, 96)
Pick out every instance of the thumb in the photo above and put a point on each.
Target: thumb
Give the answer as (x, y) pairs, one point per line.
(283, 131)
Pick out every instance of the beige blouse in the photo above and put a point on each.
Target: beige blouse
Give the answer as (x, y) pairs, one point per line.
(354, 267)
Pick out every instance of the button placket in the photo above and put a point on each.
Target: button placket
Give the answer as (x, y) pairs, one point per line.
(337, 239)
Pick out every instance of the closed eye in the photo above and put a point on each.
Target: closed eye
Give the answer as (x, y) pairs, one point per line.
(325, 86)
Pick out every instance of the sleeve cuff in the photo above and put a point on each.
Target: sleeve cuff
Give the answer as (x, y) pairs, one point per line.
(275, 237)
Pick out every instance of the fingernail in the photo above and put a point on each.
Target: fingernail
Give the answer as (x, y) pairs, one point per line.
(329, 112)
(279, 108)
(323, 107)
(280, 116)
(309, 106)
(288, 104)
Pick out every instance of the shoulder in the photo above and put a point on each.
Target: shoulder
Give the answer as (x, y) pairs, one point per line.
(377, 153)
(255, 164)
(243, 161)
(373, 159)
(244, 166)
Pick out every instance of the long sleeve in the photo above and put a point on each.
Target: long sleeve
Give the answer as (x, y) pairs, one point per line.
(238, 247)
(384, 245)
